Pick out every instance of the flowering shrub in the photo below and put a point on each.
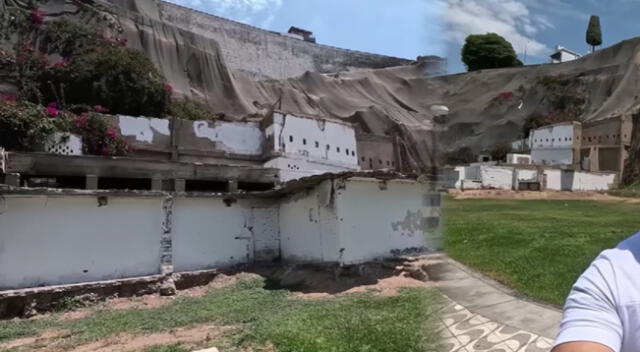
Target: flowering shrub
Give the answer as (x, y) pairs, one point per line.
(119, 79)
(24, 126)
(98, 136)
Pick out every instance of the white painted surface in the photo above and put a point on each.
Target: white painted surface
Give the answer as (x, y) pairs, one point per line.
(64, 144)
(294, 167)
(208, 234)
(553, 145)
(555, 156)
(356, 223)
(526, 175)
(369, 228)
(265, 225)
(553, 179)
(587, 181)
(234, 137)
(311, 138)
(309, 226)
(514, 158)
(496, 177)
(143, 128)
(46, 240)
(470, 184)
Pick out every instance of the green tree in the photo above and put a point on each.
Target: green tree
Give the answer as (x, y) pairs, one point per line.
(594, 32)
(499, 151)
(482, 51)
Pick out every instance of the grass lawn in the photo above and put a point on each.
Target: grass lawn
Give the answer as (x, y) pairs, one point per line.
(354, 322)
(538, 247)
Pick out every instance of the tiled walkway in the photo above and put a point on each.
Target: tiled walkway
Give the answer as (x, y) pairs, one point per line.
(482, 315)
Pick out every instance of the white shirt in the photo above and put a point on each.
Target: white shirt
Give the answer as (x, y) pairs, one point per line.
(604, 304)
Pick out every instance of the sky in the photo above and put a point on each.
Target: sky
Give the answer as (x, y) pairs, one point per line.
(408, 28)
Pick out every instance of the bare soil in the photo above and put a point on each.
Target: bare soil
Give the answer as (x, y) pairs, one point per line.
(559, 195)
(307, 282)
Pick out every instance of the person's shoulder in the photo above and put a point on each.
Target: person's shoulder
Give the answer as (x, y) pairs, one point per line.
(624, 257)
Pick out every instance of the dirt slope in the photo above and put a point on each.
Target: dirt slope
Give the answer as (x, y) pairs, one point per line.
(486, 106)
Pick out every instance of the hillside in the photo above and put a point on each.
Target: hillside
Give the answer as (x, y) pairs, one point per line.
(486, 106)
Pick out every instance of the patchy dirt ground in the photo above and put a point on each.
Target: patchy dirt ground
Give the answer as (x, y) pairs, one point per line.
(506, 194)
(386, 278)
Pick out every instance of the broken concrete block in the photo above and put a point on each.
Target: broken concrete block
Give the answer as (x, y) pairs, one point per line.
(12, 180)
(167, 287)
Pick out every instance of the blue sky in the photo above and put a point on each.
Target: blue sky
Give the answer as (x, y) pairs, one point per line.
(408, 28)
(538, 25)
(399, 28)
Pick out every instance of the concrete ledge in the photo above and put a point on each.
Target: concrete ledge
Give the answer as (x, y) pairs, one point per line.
(25, 302)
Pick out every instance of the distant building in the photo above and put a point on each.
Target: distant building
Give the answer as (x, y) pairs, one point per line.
(302, 146)
(557, 144)
(301, 34)
(605, 144)
(522, 159)
(563, 54)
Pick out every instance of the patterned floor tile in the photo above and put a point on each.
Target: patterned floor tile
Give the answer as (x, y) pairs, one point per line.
(541, 344)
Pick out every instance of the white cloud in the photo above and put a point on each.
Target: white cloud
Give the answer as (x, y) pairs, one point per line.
(247, 11)
(511, 19)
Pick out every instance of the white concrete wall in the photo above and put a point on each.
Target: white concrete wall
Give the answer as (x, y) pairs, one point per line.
(292, 168)
(49, 240)
(370, 228)
(315, 139)
(497, 177)
(552, 145)
(553, 156)
(513, 158)
(309, 226)
(143, 128)
(526, 175)
(587, 181)
(265, 226)
(209, 234)
(245, 138)
(553, 179)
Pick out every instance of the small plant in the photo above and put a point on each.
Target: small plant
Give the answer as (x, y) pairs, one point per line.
(24, 126)
(500, 150)
(189, 109)
(98, 136)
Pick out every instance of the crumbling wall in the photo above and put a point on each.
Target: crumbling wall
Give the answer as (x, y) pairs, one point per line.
(308, 226)
(50, 240)
(370, 228)
(265, 54)
(209, 233)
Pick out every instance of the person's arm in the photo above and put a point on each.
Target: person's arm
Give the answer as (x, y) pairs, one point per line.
(581, 347)
(591, 322)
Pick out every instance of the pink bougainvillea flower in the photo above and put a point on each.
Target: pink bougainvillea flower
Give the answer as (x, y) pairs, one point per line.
(63, 63)
(100, 108)
(111, 133)
(81, 121)
(37, 17)
(52, 109)
(8, 98)
(506, 95)
(105, 151)
(168, 88)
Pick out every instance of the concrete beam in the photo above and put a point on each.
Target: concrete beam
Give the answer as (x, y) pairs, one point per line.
(91, 182)
(53, 165)
(12, 179)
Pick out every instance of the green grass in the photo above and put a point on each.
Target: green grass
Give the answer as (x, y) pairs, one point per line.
(355, 322)
(538, 247)
(631, 191)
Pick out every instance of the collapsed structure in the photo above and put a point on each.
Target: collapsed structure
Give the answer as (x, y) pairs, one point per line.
(278, 184)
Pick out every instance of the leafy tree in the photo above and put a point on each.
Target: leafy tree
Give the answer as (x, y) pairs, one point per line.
(500, 150)
(482, 51)
(594, 33)
(463, 155)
